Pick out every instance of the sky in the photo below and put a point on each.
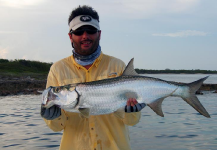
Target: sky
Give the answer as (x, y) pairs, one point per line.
(158, 34)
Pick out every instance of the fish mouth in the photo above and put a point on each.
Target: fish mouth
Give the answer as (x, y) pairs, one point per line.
(48, 96)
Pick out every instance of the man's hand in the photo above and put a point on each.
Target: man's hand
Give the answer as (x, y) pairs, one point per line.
(133, 106)
(50, 113)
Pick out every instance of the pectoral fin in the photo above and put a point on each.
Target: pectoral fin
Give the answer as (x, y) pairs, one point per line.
(131, 94)
(84, 112)
(156, 106)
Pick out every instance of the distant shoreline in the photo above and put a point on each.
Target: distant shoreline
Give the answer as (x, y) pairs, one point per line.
(22, 66)
(21, 87)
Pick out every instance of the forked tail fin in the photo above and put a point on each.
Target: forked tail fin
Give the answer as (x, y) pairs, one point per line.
(191, 98)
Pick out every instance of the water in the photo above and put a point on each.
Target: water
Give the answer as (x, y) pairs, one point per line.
(21, 126)
(185, 78)
(182, 128)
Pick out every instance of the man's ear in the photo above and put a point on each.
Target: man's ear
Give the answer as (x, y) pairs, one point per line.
(99, 34)
(70, 37)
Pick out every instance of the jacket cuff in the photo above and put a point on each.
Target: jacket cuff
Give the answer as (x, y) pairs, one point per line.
(132, 118)
(59, 123)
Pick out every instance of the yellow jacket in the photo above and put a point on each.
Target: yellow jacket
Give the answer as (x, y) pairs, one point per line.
(102, 132)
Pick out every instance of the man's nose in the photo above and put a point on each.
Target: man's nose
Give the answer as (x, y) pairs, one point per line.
(85, 35)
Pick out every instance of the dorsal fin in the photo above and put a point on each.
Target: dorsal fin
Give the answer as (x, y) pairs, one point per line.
(129, 70)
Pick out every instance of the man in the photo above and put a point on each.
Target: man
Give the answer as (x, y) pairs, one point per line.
(88, 63)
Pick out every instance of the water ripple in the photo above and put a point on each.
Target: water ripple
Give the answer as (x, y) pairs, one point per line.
(44, 139)
(49, 146)
(176, 136)
(9, 122)
(31, 124)
(174, 112)
(189, 124)
(188, 136)
(3, 115)
(55, 133)
(32, 138)
(11, 145)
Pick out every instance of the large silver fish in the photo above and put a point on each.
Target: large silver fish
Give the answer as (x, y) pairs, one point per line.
(110, 95)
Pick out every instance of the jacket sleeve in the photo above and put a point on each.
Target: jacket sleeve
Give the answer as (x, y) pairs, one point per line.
(129, 119)
(132, 118)
(57, 124)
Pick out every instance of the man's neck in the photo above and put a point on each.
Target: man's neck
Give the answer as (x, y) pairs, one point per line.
(88, 66)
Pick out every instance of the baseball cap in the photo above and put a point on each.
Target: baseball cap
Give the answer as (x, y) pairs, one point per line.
(83, 20)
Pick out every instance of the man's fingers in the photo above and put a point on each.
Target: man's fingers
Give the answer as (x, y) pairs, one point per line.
(128, 102)
(135, 101)
(50, 113)
(132, 102)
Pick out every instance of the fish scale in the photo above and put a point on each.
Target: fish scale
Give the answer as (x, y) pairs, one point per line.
(106, 95)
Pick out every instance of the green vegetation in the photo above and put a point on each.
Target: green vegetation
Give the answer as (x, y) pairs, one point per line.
(21, 67)
(144, 71)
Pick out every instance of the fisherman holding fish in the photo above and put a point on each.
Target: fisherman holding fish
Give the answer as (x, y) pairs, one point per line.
(87, 64)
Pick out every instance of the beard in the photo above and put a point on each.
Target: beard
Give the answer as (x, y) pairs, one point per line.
(91, 50)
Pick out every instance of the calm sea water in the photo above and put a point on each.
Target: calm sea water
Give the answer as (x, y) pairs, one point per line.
(185, 78)
(182, 128)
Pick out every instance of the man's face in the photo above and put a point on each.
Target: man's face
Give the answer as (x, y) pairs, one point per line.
(85, 40)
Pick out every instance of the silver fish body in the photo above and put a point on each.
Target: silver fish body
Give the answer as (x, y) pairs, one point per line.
(110, 95)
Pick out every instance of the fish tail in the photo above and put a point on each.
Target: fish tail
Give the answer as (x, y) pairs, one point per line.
(192, 99)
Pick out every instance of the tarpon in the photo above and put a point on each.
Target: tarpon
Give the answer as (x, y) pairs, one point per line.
(110, 95)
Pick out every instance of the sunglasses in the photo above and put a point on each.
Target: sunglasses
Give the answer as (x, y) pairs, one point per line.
(81, 31)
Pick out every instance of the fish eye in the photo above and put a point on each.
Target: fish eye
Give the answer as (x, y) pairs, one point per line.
(71, 88)
(57, 89)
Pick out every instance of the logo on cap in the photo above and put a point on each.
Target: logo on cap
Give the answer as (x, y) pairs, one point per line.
(85, 18)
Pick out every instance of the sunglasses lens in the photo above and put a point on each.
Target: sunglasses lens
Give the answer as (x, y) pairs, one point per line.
(81, 31)
(78, 32)
(91, 31)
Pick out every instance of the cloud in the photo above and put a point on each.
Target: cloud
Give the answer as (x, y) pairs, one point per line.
(118, 8)
(3, 53)
(19, 3)
(185, 33)
(12, 32)
(145, 8)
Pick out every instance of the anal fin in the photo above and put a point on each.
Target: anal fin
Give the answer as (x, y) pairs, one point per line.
(156, 106)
